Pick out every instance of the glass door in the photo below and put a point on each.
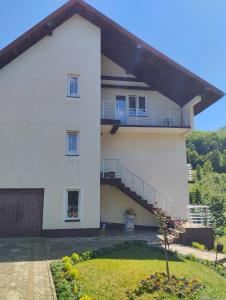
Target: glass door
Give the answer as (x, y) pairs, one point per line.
(121, 108)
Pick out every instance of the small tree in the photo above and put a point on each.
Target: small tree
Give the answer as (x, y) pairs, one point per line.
(163, 229)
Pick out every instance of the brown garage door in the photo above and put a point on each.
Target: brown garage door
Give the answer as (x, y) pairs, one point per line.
(21, 212)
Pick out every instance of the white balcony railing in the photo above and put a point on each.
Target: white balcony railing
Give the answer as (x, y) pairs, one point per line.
(144, 117)
(195, 216)
(112, 168)
(199, 215)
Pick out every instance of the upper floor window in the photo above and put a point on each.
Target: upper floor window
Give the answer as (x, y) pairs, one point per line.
(73, 86)
(72, 143)
(137, 105)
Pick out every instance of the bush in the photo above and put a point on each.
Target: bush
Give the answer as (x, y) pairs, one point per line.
(198, 246)
(86, 256)
(66, 259)
(75, 257)
(67, 266)
(73, 274)
(191, 257)
(159, 282)
(66, 279)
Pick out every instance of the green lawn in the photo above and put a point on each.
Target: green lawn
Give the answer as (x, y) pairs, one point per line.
(108, 277)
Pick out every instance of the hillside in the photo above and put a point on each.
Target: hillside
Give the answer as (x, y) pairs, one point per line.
(206, 152)
(205, 146)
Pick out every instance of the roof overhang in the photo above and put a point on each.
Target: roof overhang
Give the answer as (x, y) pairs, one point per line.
(128, 51)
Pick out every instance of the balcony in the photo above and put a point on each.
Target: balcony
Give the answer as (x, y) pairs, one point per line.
(129, 117)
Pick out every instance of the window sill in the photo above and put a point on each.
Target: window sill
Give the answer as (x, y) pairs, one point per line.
(73, 97)
(72, 220)
(72, 155)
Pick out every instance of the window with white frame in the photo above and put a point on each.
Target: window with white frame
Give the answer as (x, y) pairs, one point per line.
(137, 105)
(73, 86)
(72, 204)
(72, 143)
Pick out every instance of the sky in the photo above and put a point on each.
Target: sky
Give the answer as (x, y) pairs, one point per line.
(192, 32)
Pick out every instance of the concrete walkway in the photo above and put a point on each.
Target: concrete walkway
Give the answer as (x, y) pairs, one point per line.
(24, 261)
(198, 253)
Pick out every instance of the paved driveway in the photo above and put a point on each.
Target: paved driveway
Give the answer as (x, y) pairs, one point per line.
(24, 261)
(24, 270)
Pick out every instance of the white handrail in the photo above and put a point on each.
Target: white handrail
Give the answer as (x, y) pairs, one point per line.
(195, 215)
(112, 168)
(153, 117)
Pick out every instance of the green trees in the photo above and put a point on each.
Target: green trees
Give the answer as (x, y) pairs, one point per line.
(207, 146)
(206, 152)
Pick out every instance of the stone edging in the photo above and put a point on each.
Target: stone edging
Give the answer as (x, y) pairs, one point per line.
(51, 281)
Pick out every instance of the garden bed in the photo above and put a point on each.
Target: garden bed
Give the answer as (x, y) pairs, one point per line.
(116, 272)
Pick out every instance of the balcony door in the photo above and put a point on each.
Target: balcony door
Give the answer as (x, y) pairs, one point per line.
(121, 108)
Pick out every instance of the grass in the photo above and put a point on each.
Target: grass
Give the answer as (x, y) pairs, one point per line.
(109, 277)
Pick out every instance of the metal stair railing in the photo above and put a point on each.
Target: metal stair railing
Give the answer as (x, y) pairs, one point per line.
(112, 168)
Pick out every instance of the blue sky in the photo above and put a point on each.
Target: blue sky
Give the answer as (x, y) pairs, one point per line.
(191, 32)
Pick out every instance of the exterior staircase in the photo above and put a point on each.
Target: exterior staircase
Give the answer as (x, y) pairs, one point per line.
(117, 182)
(114, 174)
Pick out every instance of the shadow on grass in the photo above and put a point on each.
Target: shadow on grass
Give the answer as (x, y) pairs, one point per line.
(138, 253)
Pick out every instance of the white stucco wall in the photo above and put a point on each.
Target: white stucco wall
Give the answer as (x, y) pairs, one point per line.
(158, 159)
(114, 203)
(110, 68)
(35, 114)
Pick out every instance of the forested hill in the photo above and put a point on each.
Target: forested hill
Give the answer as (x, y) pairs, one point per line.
(204, 146)
(206, 152)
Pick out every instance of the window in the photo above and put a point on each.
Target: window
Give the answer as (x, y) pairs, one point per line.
(72, 143)
(73, 86)
(72, 205)
(132, 105)
(137, 105)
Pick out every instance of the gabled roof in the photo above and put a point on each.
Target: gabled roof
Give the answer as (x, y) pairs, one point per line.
(128, 51)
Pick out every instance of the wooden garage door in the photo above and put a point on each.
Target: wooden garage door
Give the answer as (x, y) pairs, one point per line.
(21, 212)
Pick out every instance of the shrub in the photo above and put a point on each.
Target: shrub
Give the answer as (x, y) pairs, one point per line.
(73, 273)
(191, 257)
(159, 282)
(86, 255)
(66, 259)
(198, 246)
(67, 266)
(63, 289)
(75, 257)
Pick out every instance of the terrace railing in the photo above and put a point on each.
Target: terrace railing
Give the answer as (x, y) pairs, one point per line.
(143, 117)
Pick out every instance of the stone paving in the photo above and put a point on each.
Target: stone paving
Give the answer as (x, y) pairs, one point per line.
(24, 261)
(210, 255)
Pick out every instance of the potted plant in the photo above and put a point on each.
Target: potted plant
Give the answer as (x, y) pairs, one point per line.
(130, 212)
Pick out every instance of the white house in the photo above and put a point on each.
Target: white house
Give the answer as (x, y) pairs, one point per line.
(92, 124)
